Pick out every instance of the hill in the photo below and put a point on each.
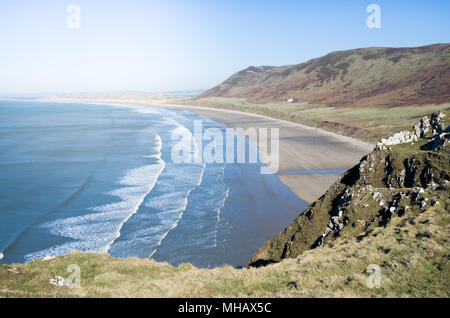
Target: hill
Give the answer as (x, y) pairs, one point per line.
(352, 78)
(405, 175)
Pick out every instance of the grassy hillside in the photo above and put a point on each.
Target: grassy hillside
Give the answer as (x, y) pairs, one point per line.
(361, 77)
(369, 124)
(418, 267)
(412, 252)
(396, 179)
(409, 244)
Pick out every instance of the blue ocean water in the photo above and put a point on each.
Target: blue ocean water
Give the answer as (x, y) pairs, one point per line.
(93, 177)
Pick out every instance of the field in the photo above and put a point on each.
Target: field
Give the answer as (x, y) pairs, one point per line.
(365, 123)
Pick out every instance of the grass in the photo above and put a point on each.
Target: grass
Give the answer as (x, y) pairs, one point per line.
(412, 252)
(368, 124)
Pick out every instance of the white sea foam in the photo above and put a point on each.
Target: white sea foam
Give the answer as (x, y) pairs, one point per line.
(133, 179)
(214, 188)
(176, 214)
(97, 231)
(1, 255)
(168, 203)
(219, 209)
(101, 230)
(171, 218)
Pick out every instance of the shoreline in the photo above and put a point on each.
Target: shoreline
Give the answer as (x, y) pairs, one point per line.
(356, 142)
(297, 152)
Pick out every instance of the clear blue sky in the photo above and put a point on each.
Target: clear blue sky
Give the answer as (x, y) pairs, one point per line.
(183, 45)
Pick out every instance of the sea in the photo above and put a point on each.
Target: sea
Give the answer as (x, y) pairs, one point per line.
(95, 177)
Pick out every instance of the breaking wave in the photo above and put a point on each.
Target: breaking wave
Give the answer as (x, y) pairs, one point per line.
(100, 227)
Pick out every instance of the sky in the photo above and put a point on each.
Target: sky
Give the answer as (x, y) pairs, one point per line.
(154, 46)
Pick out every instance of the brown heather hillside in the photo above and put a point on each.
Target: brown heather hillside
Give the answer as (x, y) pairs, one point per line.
(352, 78)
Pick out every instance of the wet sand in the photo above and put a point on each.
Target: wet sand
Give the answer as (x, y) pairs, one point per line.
(302, 148)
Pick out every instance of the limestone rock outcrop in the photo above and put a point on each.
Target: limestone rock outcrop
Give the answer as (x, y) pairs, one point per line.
(393, 180)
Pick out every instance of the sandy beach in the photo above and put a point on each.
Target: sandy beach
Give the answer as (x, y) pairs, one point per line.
(302, 148)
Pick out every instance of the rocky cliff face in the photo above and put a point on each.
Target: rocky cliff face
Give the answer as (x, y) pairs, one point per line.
(405, 174)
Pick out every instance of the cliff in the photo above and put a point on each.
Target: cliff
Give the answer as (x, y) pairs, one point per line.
(403, 176)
